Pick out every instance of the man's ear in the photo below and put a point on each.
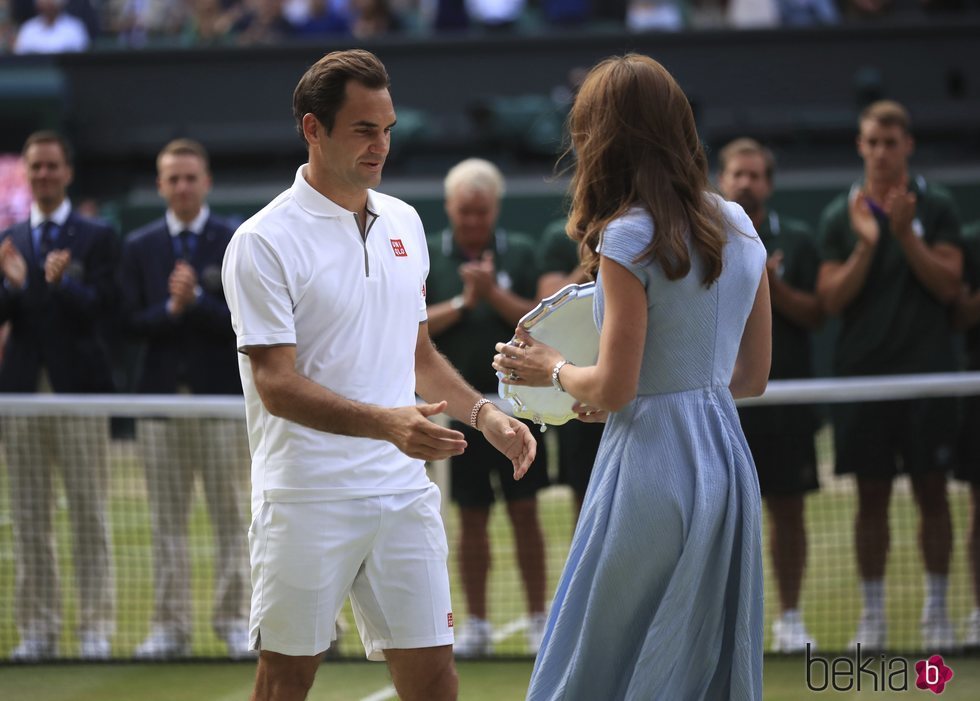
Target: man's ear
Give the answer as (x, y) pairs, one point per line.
(313, 130)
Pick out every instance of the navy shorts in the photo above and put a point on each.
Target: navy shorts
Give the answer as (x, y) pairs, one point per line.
(879, 440)
(482, 470)
(968, 445)
(786, 463)
(578, 444)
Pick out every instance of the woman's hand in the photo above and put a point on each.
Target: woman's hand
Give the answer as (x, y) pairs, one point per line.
(525, 361)
(589, 414)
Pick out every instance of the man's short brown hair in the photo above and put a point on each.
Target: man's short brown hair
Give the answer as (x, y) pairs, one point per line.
(185, 147)
(322, 89)
(887, 113)
(50, 137)
(746, 146)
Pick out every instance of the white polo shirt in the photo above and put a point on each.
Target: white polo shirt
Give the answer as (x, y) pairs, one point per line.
(299, 272)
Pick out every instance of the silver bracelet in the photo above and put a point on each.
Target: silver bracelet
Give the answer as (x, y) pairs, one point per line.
(476, 410)
(555, 379)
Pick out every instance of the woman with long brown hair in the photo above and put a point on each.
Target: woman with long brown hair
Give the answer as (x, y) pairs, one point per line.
(661, 596)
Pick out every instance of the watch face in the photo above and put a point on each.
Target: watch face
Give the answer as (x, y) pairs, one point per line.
(563, 321)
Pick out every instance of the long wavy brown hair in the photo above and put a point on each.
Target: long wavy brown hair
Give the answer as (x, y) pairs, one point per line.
(636, 144)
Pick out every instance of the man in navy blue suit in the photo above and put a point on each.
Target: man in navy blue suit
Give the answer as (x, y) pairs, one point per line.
(57, 288)
(170, 278)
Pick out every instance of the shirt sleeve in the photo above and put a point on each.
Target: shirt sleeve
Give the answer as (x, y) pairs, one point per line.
(834, 224)
(558, 253)
(424, 248)
(948, 229)
(257, 293)
(624, 240)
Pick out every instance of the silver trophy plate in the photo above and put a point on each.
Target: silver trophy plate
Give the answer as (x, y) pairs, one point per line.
(564, 321)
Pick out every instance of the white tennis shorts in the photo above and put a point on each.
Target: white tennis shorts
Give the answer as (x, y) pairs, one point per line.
(388, 553)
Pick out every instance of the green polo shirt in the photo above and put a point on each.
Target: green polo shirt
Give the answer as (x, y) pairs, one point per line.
(894, 325)
(971, 275)
(469, 344)
(790, 342)
(556, 252)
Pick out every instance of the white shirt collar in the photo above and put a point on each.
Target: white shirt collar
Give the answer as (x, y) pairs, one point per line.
(320, 205)
(175, 225)
(58, 216)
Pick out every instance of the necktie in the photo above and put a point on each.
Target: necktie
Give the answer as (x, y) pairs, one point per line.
(186, 245)
(46, 244)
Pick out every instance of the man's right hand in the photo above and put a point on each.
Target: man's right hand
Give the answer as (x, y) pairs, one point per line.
(410, 430)
(181, 285)
(12, 264)
(863, 220)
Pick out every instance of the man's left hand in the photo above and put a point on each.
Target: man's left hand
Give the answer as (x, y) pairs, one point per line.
(55, 265)
(900, 207)
(510, 437)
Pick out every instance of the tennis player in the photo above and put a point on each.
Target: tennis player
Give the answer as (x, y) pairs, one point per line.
(326, 287)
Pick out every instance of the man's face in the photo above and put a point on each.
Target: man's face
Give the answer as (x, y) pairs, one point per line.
(184, 182)
(472, 216)
(48, 173)
(885, 150)
(744, 181)
(353, 154)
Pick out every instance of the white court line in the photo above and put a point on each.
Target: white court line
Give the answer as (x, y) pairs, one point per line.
(382, 695)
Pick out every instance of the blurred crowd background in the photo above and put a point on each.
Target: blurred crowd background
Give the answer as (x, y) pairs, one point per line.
(41, 26)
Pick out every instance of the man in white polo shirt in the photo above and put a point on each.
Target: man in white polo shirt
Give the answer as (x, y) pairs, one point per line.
(326, 287)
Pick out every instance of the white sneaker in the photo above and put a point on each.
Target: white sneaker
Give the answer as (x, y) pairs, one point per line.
(789, 635)
(535, 632)
(33, 649)
(475, 640)
(237, 639)
(93, 646)
(872, 632)
(938, 635)
(161, 643)
(971, 632)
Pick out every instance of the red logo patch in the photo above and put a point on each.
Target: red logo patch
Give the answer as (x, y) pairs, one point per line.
(398, 247)
(449, 619)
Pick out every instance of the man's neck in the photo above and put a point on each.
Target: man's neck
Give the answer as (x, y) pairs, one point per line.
(185, 218)
(878, 189)
(352, 201)
(758, 217)
(48, 208)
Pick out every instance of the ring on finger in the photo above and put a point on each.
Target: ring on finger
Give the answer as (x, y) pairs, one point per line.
(513, 376)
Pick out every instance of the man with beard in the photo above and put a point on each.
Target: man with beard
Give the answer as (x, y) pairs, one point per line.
(781, 437)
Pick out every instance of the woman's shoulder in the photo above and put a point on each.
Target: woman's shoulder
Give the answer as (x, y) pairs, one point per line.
(629, 232)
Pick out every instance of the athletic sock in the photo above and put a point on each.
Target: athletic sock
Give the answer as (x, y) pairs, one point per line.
(873, 591)
(935, 603)
(790, 616)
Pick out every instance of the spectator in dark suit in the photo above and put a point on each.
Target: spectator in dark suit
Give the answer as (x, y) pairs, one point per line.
(170, 278)
(57, 285)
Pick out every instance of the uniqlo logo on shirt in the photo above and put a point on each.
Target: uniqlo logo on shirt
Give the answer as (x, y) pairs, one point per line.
(398, 247)
(449, 619)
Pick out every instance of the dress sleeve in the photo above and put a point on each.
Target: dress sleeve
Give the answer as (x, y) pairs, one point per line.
(624, 240)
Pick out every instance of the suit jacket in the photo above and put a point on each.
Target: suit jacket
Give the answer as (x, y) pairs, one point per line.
(196, 349)
(59, 327)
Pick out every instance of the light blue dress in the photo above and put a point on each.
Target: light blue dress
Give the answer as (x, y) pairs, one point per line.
(661, 596)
